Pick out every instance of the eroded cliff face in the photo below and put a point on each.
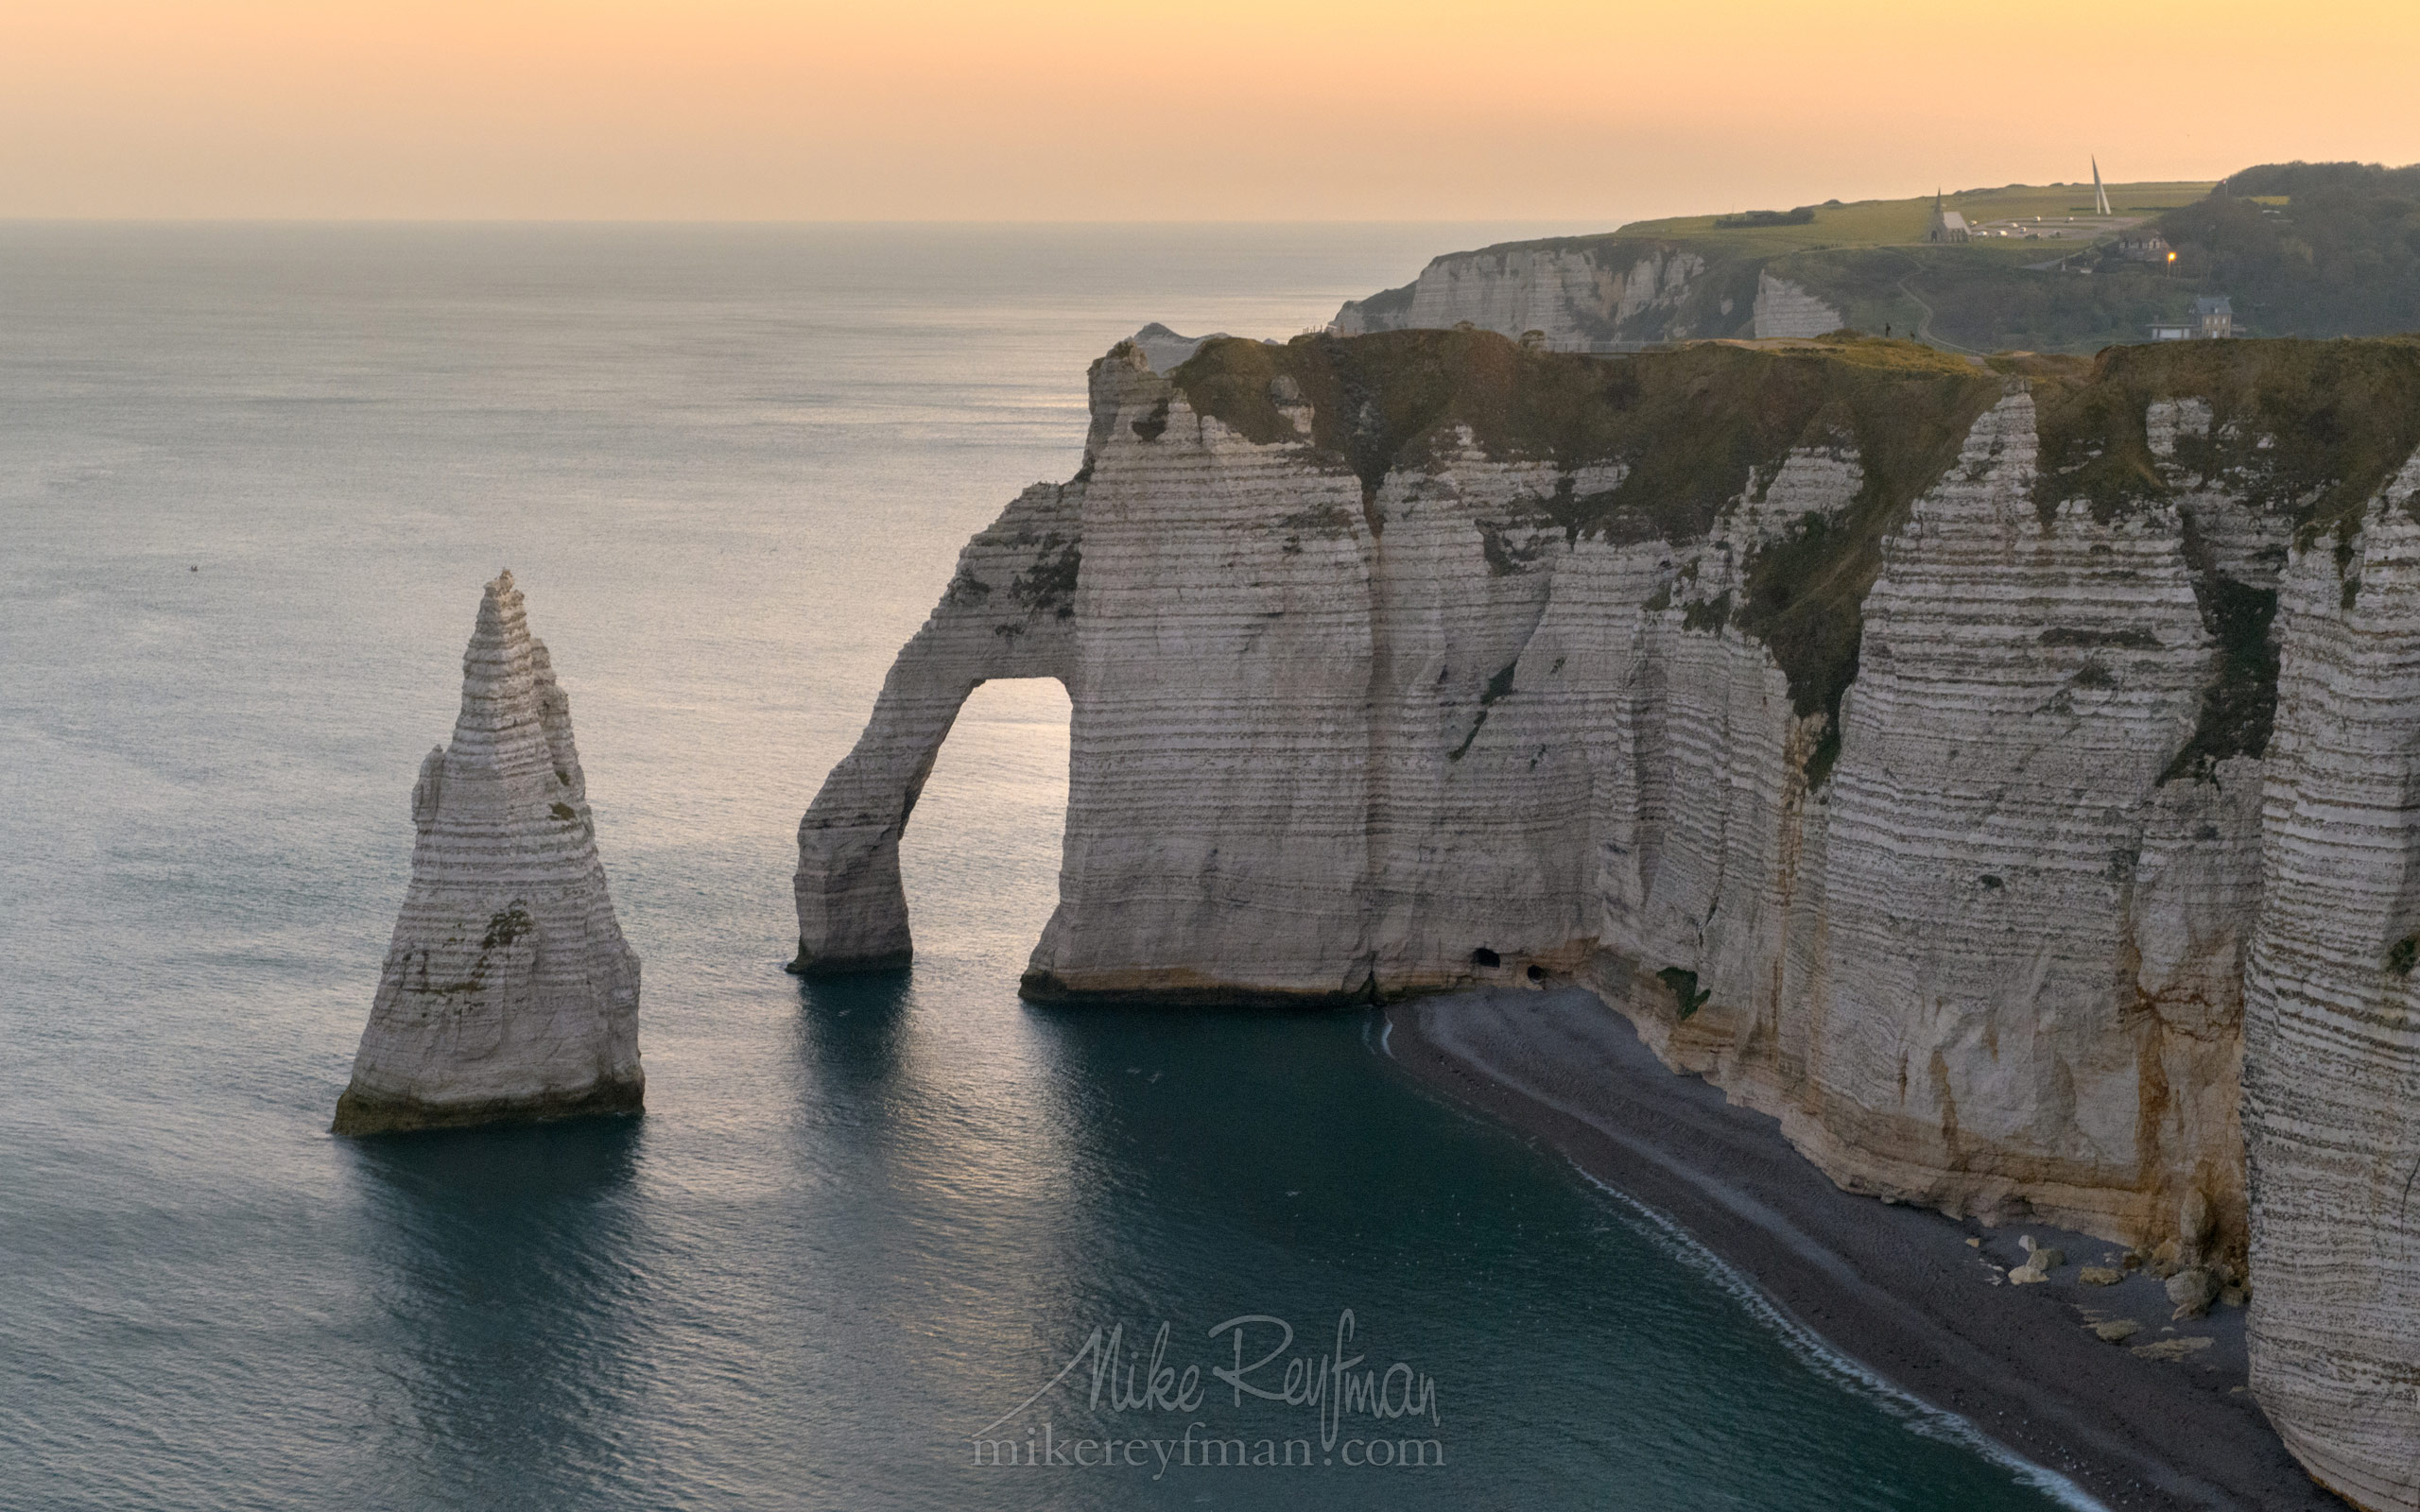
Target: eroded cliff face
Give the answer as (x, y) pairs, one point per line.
(1785, 309)
(508, 990)
(1900, 742)
(1594, 293)
(1948, 1010)
(1588, 297)
(2332, 1084)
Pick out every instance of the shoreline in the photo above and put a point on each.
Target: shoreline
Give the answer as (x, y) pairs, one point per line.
(1898, 1291)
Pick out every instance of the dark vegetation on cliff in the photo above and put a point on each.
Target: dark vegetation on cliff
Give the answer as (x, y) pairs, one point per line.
(1755, 219)
(1692, 430)
(2298, 249)
(2309, 249)
(1987, 299)
(2307, 430)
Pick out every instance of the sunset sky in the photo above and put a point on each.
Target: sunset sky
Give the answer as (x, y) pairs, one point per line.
(1088, 110)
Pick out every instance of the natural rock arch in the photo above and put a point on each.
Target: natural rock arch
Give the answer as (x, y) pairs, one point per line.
(1007, 612)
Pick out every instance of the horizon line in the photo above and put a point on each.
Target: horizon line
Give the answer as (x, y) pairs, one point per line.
(742, 220)
(1541, 218)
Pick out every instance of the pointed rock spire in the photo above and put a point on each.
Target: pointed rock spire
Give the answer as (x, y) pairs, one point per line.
(507, 991)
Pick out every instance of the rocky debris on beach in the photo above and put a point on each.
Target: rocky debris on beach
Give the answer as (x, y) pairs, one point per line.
(2175, 1349)
(2040, 1262)
(2117, 1330)
(2192, 1290)
(2196, 1226)
(507, 991)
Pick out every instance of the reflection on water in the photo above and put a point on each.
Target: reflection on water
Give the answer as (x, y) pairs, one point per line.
(855, 1029)
(511, 1277)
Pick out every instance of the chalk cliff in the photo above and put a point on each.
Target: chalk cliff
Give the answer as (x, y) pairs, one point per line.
(507, 991)
(1583, 295)
(2332, 1042)
(1165, 350)
(1593, 294)
(1901, 742)
(1785, 309)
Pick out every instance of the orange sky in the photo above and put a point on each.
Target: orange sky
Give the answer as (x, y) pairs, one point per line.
(1578, 109)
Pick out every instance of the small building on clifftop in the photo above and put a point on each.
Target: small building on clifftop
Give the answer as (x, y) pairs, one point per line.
(2213, 320)
(1947, 225)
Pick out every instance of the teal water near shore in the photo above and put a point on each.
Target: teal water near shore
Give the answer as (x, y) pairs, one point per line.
(251, 478)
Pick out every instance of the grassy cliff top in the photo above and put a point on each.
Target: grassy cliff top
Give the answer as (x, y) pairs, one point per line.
(1886, 222)
(1695, 420)
(2312, 428)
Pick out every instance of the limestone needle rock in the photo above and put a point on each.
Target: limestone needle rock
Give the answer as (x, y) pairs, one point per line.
(508, 992)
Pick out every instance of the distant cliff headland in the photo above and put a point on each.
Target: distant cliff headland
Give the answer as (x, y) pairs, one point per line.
(2297, 249)
(2000, 771)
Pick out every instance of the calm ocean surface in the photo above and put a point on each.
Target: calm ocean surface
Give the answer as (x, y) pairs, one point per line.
(859, 1222)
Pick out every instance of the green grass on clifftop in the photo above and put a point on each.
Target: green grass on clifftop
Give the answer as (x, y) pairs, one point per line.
(1895, 222)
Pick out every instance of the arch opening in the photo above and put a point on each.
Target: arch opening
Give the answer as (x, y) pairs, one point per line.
(979, 863)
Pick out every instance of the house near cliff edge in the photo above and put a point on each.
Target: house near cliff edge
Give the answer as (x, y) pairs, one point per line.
(2142, 245)
(1947, 225)
(2212, 319)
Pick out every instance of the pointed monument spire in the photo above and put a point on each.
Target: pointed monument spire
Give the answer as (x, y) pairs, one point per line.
(2099, 195)
(507, 991)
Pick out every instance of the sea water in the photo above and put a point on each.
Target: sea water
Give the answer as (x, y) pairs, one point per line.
(869, 1231)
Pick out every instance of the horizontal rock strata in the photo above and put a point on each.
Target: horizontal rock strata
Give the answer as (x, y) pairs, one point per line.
(1596, 296)
(1592, 294)
(507, 991)
(2332, 1085)
(1890, 737)
(1785, 309)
